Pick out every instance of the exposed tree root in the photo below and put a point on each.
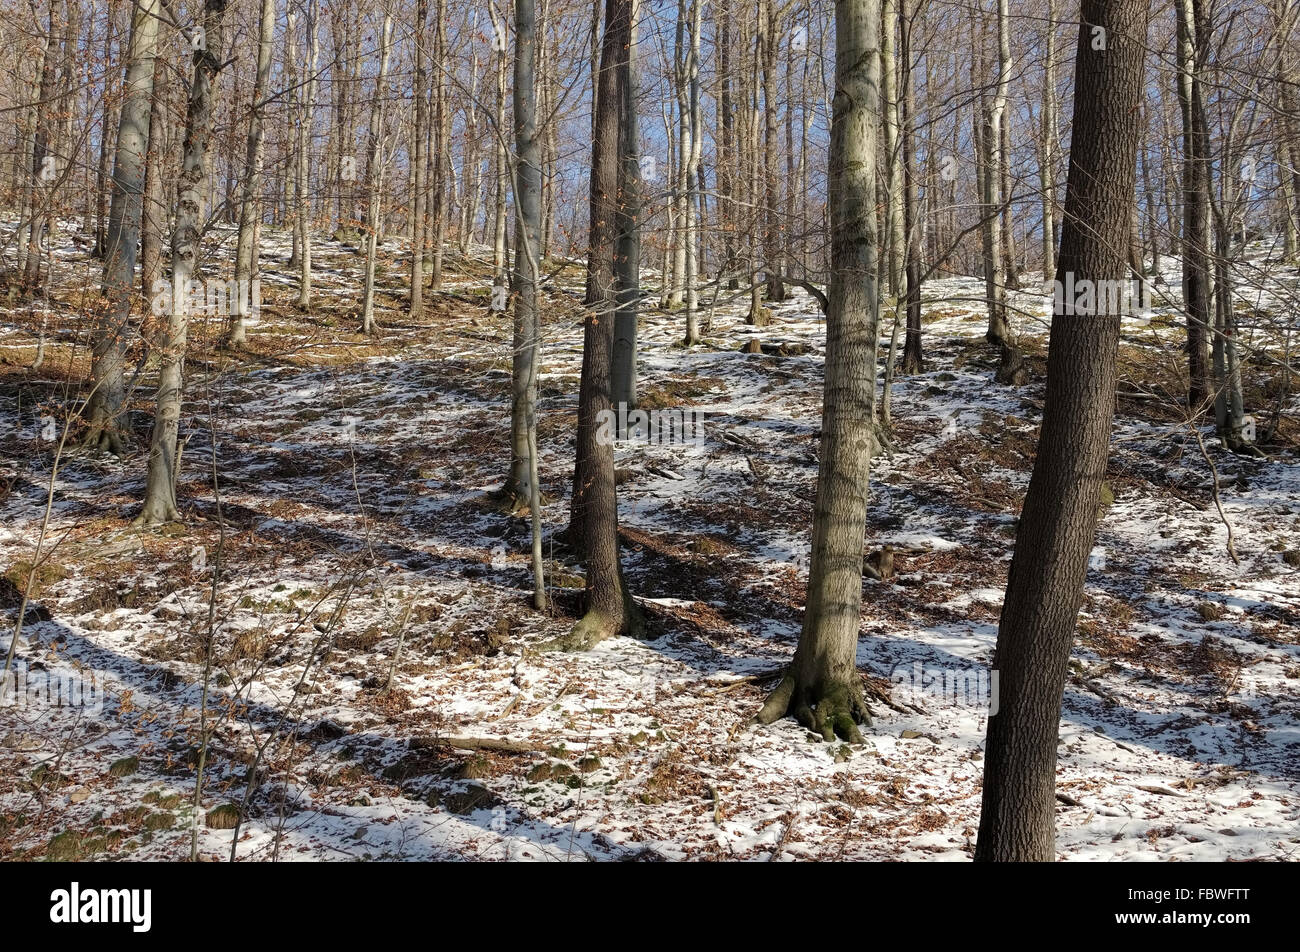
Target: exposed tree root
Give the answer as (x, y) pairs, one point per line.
(831, 710)
(595, 626)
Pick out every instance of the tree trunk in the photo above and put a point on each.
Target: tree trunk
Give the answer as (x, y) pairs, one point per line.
(153, 215)
(1011, 368)
(913, 362)
(250, 206)
(609, 607)
(191, 217)
(822, 688)
(1057, 525)
(374, 177)
(419, 136)
(527, 323)
(114, 313)
(1197, 293)
(302, 218)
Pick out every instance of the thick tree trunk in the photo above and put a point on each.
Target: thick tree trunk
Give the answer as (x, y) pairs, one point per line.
(822, 688)
(1057, 525)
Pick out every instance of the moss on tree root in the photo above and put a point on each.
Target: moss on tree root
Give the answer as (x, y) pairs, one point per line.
(832, 709)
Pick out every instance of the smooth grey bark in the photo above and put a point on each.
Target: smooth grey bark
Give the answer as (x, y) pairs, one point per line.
(419, 136)
(913, 359)
(114, 314)
(374, 161)
(822, 688)
(627, 226)
(442, 135)
(1047, 145)
(1000, 334)
(302, 160)
(527, 319)
(191, 217)
(1198, 293)
(250, 203)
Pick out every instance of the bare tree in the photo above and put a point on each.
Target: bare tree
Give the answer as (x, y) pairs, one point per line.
(822, 688)
(1057, 524)
(114, 313)
(164, 456)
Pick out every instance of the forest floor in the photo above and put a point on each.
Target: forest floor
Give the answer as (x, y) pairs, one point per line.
(352, 476)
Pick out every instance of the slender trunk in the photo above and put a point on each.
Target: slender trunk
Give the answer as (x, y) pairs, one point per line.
(246, 250)
(160, 487)
(114, 314)
(1197, 294)
(913, 361)
(153, 214)
(419, 136)
(374, 177)
(302, 220)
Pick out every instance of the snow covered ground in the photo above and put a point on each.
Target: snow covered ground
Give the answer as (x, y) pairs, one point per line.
(351, 480)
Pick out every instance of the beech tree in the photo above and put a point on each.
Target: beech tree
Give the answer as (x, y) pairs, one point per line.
(822, 688)
(112, 316)
(160, 486)
(593, 530)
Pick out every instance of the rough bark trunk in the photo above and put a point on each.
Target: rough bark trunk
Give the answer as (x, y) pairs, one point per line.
(609, 609)
(1057, 525)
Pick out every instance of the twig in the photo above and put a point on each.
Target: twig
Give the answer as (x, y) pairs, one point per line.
(1218, 504)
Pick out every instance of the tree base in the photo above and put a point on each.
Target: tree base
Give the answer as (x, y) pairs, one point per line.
(100, 439)
(595, 627)
(833, 710)
(1011, 367)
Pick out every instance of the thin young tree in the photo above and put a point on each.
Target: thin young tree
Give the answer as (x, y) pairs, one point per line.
(250, 206)
(419, 164)
(302, 158)
(374, 175)
(527, 319)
